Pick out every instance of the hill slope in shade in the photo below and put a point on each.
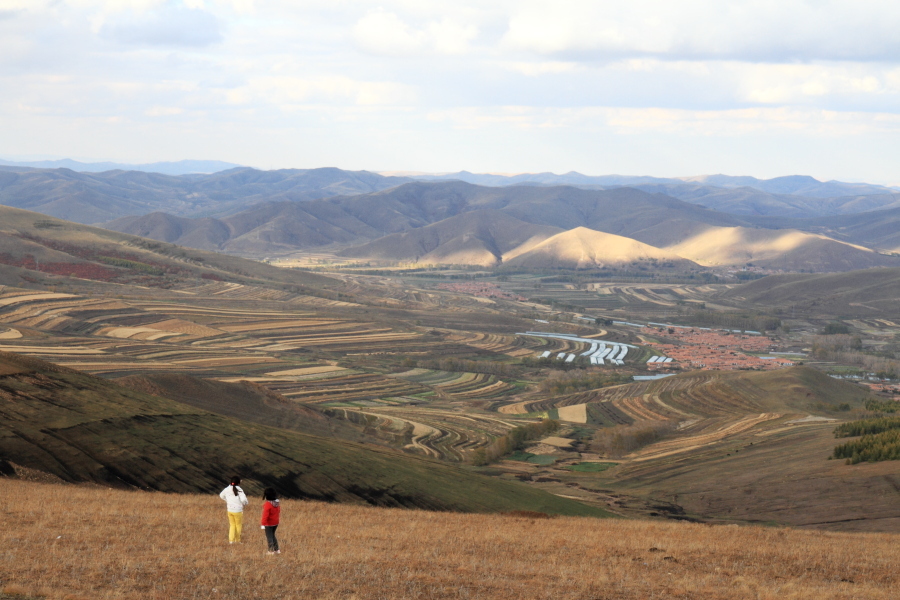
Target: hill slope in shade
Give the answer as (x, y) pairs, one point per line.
(243, 400)
(778, 249)
(480, 237)
(583, 248)
(864, 293)
(82, 428)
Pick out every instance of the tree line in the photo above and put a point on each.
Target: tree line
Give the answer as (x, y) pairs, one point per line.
(513, 440)
(880, 440)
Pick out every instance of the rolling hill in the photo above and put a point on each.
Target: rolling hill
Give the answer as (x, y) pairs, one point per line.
(52, 246)
(82, 428)
(242, 400)
(352, 221)
(481, 237)
(785, 249)
(864, 292)
(583, 248)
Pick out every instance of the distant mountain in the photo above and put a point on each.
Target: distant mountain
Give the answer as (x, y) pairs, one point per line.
(785, 249)
(181, 167)
(583, 248)
(351, 221)
(792, 196)
(101, 197)
(877, 229)
(748, 201)
(798, 185)
(570, 178)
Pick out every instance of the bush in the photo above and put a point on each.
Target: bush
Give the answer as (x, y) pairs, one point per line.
(621, 440)
(836, 329)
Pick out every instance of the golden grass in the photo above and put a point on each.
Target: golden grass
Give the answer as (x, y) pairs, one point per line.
(63, 540)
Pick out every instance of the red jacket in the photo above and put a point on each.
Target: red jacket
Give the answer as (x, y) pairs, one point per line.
(271, 513)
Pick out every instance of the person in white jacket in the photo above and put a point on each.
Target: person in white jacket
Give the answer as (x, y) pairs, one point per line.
(235, 500)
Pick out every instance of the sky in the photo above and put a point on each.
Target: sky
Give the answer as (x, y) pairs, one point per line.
(639, 87)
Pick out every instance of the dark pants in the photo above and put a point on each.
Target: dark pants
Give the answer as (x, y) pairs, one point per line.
(270, 537)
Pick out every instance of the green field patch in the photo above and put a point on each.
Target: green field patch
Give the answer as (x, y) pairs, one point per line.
(590, 467)
(520, 456)
(544, 460)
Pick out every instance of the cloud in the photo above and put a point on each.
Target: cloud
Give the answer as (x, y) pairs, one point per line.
(165, 26)
(753, 30)
(293, 92)
(667, 121)
(381, 32)
(384, 33)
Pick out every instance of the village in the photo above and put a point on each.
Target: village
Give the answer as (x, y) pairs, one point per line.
(711, 350)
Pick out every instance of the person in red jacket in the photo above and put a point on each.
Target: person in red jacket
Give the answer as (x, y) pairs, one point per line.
(271, 514)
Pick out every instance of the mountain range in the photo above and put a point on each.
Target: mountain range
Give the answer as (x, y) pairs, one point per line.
(99, 197)
(711, 220)
(179, 167)
(459, 223)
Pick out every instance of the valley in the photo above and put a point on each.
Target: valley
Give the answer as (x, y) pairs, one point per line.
(489, 352)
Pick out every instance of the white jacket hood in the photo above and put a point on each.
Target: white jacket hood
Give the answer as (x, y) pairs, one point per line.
(237, 503)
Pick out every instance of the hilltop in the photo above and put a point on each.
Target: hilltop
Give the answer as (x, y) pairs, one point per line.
(160, 546)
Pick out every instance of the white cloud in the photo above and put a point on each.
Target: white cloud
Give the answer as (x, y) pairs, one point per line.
(167, 26)
(753, 30)
(381, 32)
(384, 33)
(292, 92)
(449, 37)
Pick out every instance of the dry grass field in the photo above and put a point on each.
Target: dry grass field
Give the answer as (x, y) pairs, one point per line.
(65, 541)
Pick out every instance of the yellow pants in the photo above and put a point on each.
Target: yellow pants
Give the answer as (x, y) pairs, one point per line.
(235, 525)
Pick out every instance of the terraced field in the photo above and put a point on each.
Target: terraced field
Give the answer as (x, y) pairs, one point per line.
(234, 332)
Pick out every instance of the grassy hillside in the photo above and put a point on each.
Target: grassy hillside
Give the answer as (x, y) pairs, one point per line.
(243, 400)
(160, 546)
(795, 389)
(863, 292)
(36, 242)
(82, 428)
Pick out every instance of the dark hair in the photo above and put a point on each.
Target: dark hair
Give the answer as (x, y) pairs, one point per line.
(270, 494)
(235, 481)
